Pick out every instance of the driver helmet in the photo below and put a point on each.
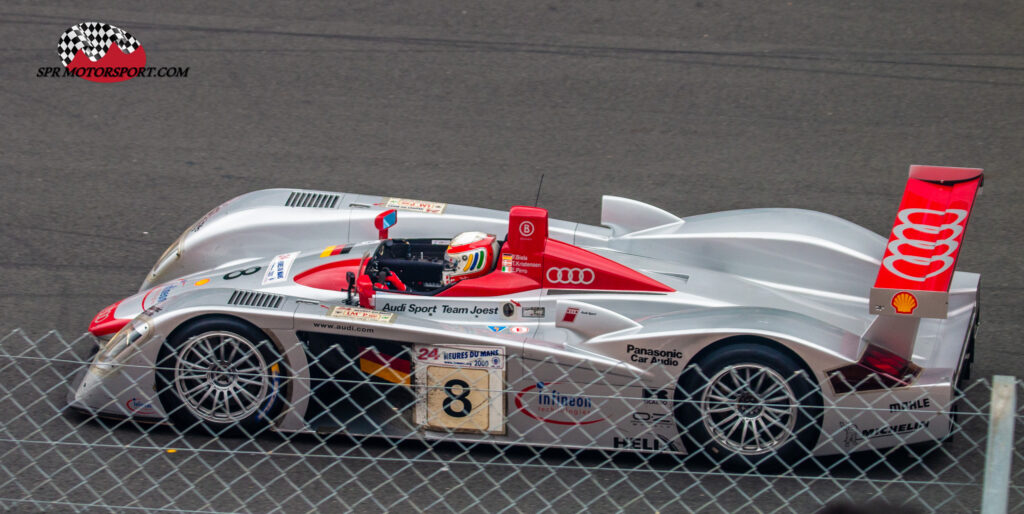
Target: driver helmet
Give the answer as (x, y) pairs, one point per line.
(469, 255)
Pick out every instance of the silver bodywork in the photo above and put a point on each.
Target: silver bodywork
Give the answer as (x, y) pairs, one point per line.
(799, 279)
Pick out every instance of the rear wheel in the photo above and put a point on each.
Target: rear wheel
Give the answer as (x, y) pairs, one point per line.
(221, 375)
(748, 406)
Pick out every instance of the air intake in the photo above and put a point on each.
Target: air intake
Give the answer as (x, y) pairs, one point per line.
(254, 299)
(314, 200)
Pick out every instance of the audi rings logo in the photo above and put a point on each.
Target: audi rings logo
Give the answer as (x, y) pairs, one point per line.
(949, 232)
(576, 276)
(526, 229)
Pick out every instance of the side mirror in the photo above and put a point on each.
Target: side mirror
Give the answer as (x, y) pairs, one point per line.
(384, 221)
(351, 277)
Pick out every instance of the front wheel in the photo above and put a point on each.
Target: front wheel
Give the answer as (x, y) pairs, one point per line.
(221, 375)
(747, 406)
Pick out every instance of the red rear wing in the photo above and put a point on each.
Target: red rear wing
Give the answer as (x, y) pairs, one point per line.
(920, 258)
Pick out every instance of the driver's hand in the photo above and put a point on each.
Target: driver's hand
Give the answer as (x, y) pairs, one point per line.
(394, 282)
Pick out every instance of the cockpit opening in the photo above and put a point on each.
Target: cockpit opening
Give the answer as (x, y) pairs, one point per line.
(417, 266)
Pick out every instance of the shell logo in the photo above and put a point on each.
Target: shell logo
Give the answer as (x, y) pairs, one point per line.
(904, 303)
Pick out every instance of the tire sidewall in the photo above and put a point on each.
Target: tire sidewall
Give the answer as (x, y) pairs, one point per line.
(181, 415)
(695, 379)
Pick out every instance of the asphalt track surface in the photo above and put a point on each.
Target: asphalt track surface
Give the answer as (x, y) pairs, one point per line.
(691, 106)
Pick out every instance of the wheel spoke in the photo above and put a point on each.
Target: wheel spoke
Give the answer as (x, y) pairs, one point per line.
(217, 401)
(205, 396)
(245, 356)
(234, 394)
(244, 391)
(769, 423)
(735, 379)
(736, 424)
(226, 402)
(726, 419)
(785, 429)
(196, 388)
(772, 439)
(223, 341)
(760, 380)
(724, 393)
(774, 387)
(718, 400)
(755, 432)
(250, 381)
(250, 385)
(748, 381)
(232, 350)
(208, 347)
(202, 358)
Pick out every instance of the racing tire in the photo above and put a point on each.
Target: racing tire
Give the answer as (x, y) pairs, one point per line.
(748, 407)
(221, 376)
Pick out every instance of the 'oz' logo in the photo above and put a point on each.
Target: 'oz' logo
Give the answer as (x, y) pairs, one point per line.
(99, 45)
(575, 276)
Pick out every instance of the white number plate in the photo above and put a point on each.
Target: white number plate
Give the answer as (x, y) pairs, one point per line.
(460, 388)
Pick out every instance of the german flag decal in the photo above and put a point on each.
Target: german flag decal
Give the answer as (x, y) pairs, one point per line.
(385, 367)
(331, 251)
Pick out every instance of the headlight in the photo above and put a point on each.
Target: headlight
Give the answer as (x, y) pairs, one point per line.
(170, 255)
(122, 345)
(176, 250)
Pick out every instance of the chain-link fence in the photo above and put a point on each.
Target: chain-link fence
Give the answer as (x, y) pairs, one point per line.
(219, 424)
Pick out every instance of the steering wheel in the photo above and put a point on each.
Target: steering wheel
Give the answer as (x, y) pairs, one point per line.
(389, 280)
(381, 277)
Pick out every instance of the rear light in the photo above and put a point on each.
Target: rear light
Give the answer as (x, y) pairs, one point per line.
(885, 361)
(877, 369)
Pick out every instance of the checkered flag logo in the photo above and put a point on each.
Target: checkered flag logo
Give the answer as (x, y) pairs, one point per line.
(95, 39)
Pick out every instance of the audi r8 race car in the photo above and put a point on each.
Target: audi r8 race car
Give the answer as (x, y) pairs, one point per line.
(752, 336)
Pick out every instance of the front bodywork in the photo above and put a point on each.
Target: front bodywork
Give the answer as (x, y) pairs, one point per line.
(796, 280)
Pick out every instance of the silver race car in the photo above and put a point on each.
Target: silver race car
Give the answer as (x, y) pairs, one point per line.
(753, 336)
